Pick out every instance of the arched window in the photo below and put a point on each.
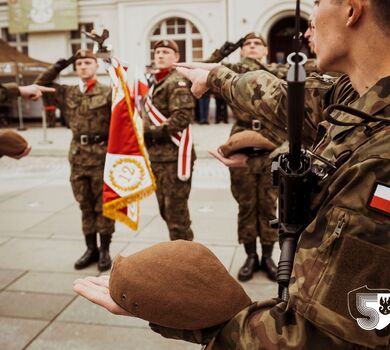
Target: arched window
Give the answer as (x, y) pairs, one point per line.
(186, 35)
(279, 40)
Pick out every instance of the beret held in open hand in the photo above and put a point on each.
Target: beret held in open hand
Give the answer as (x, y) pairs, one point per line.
(244, 140)
(11, 143)
(177, 284)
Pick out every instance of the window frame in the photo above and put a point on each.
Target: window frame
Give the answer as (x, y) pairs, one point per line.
(188, 36)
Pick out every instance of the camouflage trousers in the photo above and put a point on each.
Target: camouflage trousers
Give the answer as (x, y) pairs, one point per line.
(172, 195)
(87, 186)
(256, 197)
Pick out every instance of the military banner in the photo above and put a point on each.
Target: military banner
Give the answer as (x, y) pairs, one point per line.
(26, 16)
(127, 174)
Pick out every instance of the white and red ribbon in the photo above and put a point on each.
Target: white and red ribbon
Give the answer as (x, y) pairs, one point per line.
(182, 139)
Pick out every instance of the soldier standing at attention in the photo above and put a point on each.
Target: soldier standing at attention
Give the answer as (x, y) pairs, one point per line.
(87, 108)
(168, 113)
(252, 186)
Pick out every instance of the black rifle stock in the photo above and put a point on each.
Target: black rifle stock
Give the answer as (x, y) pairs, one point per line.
(292, 171)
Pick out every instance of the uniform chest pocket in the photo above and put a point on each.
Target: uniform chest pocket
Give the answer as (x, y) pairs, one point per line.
(334, 229)
(356, 252)
(96, 102)
(72, 102)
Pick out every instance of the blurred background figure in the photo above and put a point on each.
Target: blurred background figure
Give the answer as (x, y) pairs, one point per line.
(221, 110)
(204, 107)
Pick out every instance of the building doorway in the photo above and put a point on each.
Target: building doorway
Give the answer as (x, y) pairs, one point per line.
(186, 35)
(280, 39)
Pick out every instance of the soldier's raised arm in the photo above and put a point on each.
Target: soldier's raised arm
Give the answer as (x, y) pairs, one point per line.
(47, 78)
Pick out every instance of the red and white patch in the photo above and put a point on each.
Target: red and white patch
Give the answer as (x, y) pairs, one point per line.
(380, 199)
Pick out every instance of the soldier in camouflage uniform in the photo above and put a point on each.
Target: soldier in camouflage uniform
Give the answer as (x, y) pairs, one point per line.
(346, 246)
(252, 186)
(172, 97)
(347, 243)
(87, 107)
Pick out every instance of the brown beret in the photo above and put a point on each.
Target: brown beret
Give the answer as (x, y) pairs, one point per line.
(254, 35)
(11, 143)
(177, 284)
(166, 43)
(246, 139)
(84, 53)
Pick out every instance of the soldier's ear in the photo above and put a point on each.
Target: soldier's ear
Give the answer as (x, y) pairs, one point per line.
(177, 57)
(355, 9)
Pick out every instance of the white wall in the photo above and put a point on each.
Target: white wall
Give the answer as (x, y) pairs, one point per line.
(130, 23)
(138, 20)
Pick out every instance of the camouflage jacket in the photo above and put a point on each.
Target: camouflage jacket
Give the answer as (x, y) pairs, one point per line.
(8, 91)
(244, 120)
(345, 247)
(268, 99)
(87, 114)
(172, 97)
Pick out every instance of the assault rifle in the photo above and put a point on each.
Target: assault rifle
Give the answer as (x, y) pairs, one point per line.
(292, 171)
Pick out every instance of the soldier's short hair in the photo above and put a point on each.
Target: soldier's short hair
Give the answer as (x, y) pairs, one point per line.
(382, 13)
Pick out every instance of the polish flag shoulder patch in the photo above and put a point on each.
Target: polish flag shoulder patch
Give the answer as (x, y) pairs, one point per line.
(380, 199)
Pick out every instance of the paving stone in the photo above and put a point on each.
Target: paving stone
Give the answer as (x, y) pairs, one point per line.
(46, 198)
(44, 241)
(45, 282)
(8, 276)
(216, 230)
(82, 311)
(59, 225)
(156, 231)
(205, 209)
(66, 336)
(21, 220)
(47, 255)
(224, 254)
(32, 305)
(4, 239)
(16, 333)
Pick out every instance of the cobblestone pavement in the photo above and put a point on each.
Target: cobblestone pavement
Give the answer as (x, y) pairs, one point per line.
(40, 239)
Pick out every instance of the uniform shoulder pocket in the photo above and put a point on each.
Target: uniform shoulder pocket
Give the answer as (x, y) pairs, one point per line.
(182, 98)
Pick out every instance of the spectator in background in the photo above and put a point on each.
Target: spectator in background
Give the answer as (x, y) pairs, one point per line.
(204, 104)
(221, 112)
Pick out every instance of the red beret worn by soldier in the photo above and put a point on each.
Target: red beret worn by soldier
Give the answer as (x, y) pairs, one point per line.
(11, 143)
(178, 284)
